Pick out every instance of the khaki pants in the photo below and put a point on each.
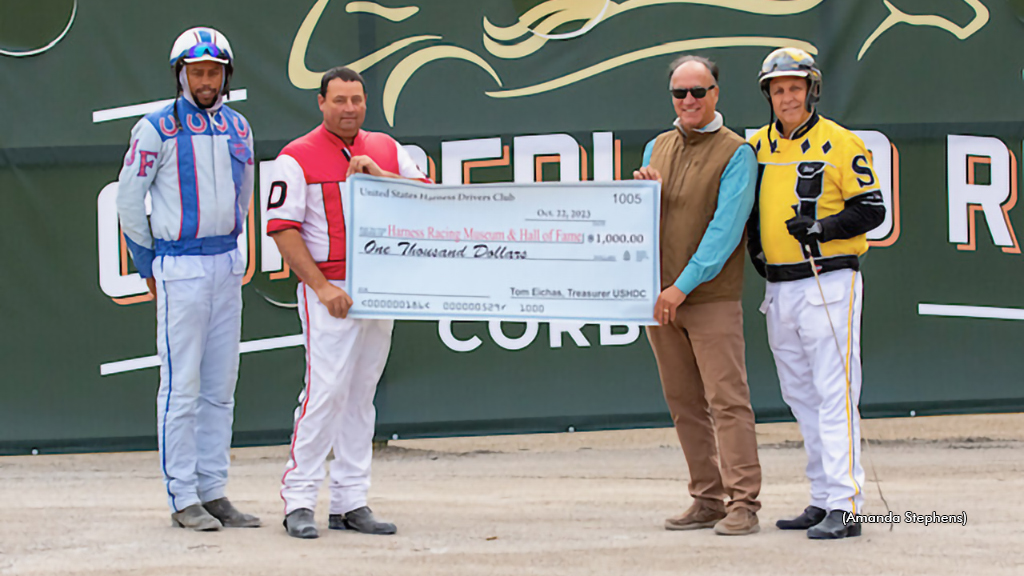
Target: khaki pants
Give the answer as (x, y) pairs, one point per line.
(704, 377)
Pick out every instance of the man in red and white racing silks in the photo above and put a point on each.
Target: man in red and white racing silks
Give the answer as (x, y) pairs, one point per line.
(345, 357)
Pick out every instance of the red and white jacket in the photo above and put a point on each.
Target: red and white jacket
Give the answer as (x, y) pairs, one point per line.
(308, 196)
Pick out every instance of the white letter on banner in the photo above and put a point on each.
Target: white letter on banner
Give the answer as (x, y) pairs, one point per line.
(609, 338)
(270, 261)
(573, 329)
(498, 335)
(453, 154)
(604, 156)
(881, 159)
(962, 153)
(419, 157)
(108, 239)
(529, 147)
(444, 330)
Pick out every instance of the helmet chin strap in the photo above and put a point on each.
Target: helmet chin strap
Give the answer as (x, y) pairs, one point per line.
(187, 92)
(808, 104)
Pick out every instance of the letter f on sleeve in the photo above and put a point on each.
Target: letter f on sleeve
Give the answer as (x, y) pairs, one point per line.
(137, 174)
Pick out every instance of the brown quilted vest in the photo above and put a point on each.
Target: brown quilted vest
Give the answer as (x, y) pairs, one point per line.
(691, 170)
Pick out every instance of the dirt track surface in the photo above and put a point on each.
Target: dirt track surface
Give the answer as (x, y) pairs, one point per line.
(565, 504)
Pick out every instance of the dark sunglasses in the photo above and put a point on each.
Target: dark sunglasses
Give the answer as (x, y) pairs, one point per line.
(698, 92)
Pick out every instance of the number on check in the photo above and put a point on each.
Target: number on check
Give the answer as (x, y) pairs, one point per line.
(620, 239)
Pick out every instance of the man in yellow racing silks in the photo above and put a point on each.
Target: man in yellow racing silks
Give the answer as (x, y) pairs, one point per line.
(817, 198)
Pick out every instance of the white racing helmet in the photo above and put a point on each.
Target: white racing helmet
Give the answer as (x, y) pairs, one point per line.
(202, 44)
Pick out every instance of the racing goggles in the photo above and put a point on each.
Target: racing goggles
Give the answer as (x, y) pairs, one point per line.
(206, 52)
(698, 92)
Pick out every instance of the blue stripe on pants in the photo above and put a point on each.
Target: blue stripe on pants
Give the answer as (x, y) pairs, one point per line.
(167, 406)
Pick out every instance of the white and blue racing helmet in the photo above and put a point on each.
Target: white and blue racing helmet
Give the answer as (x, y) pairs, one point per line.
(201, 44)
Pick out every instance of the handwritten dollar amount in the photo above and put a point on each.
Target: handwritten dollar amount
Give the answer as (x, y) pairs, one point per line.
(616, 238)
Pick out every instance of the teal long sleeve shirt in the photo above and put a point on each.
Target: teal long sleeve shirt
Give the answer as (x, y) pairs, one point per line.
(735, 201)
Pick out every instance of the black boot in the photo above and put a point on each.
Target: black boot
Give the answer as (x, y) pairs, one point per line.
(300, 524)
(834, 527)
(360, 520)
(809, 517)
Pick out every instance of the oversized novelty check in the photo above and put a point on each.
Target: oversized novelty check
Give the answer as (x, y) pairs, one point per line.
(583, 251)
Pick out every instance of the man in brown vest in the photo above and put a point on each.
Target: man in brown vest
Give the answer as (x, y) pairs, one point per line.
(708, 175)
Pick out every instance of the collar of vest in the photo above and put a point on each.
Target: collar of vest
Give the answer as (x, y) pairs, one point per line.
(710, 128)
(336, 141)
(801, 130)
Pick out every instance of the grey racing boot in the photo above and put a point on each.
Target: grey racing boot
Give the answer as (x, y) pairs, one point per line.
(833, 527)
(300, 524)
(809, 517)
(360, 520)
(197, 518)
(229, 516)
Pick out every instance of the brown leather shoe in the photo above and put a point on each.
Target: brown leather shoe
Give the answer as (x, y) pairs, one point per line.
(739, 522)
(700, 514)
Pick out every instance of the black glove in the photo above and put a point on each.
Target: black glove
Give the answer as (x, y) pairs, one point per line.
(805, 229)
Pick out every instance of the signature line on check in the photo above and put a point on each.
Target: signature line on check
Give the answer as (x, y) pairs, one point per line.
(424, 295)
(595, 259)
(571, 299)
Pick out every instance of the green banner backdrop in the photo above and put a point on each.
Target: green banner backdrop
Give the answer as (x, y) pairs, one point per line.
(933, 86)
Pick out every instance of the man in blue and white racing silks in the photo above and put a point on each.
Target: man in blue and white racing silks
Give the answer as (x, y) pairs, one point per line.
(194, 161)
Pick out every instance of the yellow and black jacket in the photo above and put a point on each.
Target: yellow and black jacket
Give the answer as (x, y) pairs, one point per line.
(823, 171)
